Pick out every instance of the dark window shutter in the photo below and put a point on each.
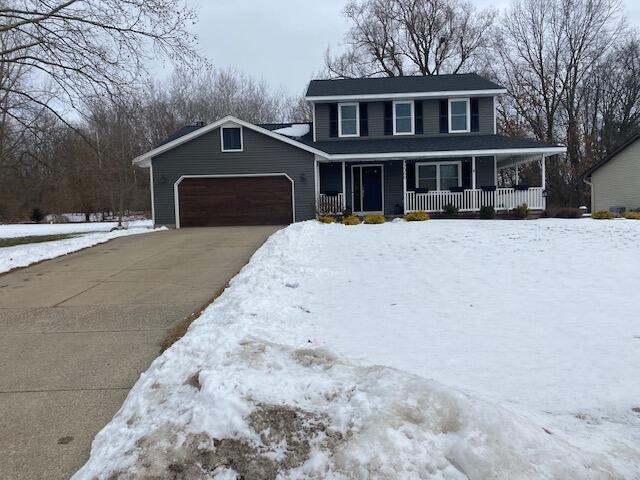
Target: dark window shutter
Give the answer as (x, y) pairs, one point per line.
(444, 116)
(418, 117)
(333, 120)
(475, 115)
(411, 175)
(388, 118)
(364, 119)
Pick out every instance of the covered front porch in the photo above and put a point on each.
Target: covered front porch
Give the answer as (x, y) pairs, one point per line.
(399, 186)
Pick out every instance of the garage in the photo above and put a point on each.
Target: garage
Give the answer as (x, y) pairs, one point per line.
(208, 201)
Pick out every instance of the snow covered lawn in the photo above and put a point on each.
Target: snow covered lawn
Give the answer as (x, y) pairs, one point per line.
(444, 349)
(23, 255)
(32, 229)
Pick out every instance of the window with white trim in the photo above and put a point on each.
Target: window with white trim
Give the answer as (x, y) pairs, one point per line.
(403, 118)
(439, 175)
(348, 120)
(231, 139)
(459, 115)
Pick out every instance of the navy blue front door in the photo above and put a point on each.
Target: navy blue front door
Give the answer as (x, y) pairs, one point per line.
(368, 188)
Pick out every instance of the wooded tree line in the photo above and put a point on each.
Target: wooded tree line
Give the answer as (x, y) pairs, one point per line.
(84, 164)
(77, 103)
(571, 68)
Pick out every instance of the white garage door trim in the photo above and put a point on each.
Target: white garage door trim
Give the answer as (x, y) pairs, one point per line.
(176, 200)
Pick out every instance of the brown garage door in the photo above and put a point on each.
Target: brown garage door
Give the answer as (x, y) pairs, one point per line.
(205, 202)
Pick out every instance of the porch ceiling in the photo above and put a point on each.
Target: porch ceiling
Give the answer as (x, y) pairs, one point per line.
(505, 161)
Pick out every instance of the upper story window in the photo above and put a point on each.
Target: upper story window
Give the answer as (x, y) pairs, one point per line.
(459, 115)
(403, 118)
(348, 120)
(231, 139)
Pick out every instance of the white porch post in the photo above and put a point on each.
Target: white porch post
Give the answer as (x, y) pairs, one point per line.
(316, 183)
(495, 170)
(473, 182)
(404, 187)
(473, 173)
(344, 187)
(544, 180)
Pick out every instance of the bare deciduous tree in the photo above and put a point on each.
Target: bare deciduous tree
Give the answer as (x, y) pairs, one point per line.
(53, 167)
(408, 37)
(547, 53)
(611, 106)
(87, 47)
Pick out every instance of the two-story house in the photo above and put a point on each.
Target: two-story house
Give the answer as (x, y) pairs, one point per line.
(375, 145)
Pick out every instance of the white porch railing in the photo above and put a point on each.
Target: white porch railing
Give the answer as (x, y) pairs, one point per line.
(472, 200)
(331, 204)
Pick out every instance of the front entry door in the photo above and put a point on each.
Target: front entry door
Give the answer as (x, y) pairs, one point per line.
(367, 188)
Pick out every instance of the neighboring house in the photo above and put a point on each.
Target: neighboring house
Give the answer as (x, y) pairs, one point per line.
(615, 181)
(376, 145)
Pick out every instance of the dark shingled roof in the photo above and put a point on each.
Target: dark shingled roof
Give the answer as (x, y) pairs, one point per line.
(187, 129)
(391, 85)
(181, 132)
(424, 144)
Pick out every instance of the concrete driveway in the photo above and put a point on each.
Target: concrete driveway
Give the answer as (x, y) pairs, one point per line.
(77, 331)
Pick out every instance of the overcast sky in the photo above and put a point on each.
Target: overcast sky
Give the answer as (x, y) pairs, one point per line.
(284, 41)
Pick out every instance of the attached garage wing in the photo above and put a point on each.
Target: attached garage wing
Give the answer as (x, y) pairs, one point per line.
(207, 201)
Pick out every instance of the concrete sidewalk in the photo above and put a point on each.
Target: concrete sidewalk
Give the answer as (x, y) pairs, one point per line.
(77, 331)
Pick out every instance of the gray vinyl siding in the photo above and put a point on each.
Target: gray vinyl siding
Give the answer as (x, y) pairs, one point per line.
(617, 182)
(393, 200)
(261, 154)
(430, 113)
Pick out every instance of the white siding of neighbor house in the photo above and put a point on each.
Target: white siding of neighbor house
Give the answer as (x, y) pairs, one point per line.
(617, 182)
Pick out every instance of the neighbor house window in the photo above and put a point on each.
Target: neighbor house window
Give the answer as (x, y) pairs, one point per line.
(231, 139)
(403, 118)
(439, 175)
(459, 117)
(348, 120)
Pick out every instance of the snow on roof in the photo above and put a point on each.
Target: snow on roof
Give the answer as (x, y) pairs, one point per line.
(295, 130)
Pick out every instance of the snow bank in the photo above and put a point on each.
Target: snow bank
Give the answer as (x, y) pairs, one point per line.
(296, 130)
(24, 255)
(256, 387)
(30, 229)
(80, 217)
(308, 414)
